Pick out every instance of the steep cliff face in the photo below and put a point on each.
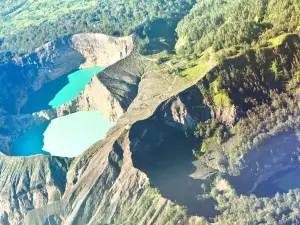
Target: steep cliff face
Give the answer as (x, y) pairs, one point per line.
(110, 92)
(101, 50)
(185, 110)
(226, 115)
(27, 74)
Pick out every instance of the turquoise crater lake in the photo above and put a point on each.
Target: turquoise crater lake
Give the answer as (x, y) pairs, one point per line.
(60, 91)
(77, 82)
(66, 136)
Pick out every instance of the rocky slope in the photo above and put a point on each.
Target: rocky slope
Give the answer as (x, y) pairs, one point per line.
(28, 183)
(110, 92)
(107, 166)
(137, 174)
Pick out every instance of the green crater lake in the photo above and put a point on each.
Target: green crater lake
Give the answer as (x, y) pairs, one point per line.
(60, 91)
(67, 136)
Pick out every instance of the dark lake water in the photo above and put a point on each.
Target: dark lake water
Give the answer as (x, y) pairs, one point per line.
(281, 183)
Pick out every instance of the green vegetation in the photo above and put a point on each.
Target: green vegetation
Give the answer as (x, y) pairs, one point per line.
(222, 100)
(263, 84)
(163, 57)
(248, 78)
(25, 13)
(280, 114)
(281, 209)
(222, 24)
(276, 41)
(210, 132)
(256, 47)
(27, 24)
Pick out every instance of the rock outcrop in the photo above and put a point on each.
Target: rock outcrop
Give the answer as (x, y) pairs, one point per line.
(101, 50)
(227, 115)
(186, 109)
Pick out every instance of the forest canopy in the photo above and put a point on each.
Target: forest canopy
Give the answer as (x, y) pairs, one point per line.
(25, 25)
(226, 23)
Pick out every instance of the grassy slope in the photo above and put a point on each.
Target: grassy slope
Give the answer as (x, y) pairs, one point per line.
(33, 13)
